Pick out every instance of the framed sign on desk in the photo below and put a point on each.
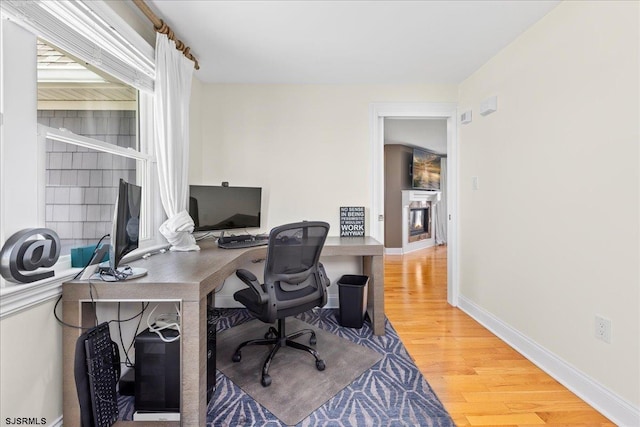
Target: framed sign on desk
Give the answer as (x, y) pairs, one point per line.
(352, 221)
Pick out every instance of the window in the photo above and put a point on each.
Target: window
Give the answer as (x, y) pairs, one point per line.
(90, 121)
(81, 179)
(62, 178)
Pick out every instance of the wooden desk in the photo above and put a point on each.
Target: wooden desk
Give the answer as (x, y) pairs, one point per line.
(189, 278)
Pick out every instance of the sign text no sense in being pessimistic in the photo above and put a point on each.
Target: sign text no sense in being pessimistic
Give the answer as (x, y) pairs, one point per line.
(351, 221)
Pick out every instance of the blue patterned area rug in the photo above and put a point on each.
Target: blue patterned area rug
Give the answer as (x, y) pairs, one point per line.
(392, 392)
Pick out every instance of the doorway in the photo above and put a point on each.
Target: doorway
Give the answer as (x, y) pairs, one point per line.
(448, 111)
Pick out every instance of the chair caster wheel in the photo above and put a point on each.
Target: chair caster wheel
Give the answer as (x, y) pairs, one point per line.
(271, 334)
(320, 365)
(313, 340)
(236, 357)
(266, 381)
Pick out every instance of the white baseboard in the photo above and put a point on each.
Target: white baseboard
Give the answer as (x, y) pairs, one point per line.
(403, 251)
(57, 422)
(393, 251)
(595, 394)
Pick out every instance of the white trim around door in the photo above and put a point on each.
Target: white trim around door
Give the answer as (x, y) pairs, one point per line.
(377, 113)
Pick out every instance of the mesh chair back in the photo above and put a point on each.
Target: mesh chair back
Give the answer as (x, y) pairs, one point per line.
(291, 274)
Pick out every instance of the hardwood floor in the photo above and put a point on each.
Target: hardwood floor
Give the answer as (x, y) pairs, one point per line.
(480, 380)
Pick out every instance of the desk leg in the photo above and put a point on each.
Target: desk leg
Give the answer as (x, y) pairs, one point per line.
(373, 266)
(193, 405)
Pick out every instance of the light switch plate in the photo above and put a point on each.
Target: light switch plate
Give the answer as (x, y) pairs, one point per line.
(475, 183)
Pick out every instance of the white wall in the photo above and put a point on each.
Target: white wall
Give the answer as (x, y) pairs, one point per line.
(134, 18)
(308, 146)
(551, 237)
(19, 109)
(195, 131)
(30, 340)
(31, 368)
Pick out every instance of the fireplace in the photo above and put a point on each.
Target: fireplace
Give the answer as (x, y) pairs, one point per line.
(418, 230)
(419, 226)
(418, 221)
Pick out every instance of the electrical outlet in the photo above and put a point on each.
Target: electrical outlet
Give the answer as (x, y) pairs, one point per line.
(603, 329)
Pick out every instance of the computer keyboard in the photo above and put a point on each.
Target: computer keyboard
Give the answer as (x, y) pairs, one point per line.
(103, 370)
(239, 244)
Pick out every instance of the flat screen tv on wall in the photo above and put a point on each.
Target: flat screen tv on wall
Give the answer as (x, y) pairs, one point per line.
(425, 170)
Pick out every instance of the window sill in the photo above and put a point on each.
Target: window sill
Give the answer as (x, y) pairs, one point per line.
(17, 297)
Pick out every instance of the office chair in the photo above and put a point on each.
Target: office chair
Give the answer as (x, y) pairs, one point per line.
(294, 282)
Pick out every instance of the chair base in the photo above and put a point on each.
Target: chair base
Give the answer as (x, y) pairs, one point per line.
(278, 339)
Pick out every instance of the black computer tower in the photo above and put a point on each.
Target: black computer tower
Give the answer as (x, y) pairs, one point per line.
(157, 369)
(157, 372)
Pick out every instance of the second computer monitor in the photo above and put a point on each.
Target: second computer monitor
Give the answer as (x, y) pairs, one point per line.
(224, 208)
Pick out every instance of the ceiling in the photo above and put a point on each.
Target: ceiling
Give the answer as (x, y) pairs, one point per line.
(62, 78)
(346, 42)
(430, 134)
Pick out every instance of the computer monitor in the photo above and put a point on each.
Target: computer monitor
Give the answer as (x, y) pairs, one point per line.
(220, 208)
(125, 229)
(125, 233)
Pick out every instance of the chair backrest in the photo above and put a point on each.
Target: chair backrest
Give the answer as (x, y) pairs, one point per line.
(293, 277)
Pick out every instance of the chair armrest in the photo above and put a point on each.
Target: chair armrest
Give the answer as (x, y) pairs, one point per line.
(252, 281)
(323, 275)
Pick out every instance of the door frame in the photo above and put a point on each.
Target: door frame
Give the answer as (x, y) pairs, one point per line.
(377, 113)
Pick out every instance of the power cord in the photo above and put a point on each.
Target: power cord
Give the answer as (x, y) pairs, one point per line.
(127, 362)
(93, 303)
(95, 251)
(208, 235)
(171, 322)
(115, 275)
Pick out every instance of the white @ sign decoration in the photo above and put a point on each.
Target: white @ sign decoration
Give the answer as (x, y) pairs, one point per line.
(352, 221)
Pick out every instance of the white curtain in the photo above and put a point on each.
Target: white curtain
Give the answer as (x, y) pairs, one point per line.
(171, 110)
(441, 207)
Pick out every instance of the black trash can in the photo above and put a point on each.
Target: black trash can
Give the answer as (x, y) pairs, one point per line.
(352, 295)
